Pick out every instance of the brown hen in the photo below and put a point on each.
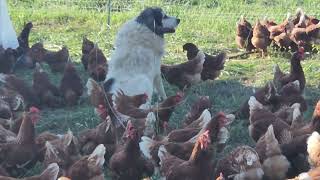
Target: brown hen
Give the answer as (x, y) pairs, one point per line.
(71, 87)
(22, 151)
(198, 166)
(261, 118)
(296, 72)
(244, 34)
(97, 64)
(45, 90)
(129, 105)
(202, 103)
(164, 110)
(185, 74)
(242, 163)
(128, 162)
(7, 60)
(275, 165)
(87, 46)
(14, 83)
(261, 38)
(50, 173)
(56, 60)
(89, 167)
(23, 38)
(212, 66)
(64, 151)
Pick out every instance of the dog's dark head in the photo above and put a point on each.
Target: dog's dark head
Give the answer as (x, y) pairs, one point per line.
(157, 21)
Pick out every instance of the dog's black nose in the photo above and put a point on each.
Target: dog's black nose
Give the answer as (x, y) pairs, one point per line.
(178, 21)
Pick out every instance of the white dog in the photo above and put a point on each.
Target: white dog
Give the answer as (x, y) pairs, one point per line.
(135, 63)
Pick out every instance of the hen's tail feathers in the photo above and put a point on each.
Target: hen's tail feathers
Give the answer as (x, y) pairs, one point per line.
(272, 143)
(285, 137)
(51, 173)
(145, 146)
(296, 112)
(206, 120)
(230, 118)
(288, 16)
(223, 135)
(67, 139)
(254, 104)
(108, 84)
(50, 150)
(296, 84)
(242, 17)
(221, 59)
(38, 68)
(18, 102)
(91, 84)
(3, 77)
(161, 153)
(98, 155)
(276, 69)
(256, 173)
(302, 17)
(200, 56)
(149, 124)
(299, 11)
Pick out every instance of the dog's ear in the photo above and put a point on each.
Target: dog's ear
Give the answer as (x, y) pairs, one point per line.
(158, 16)
(152, 18)
(146, 17)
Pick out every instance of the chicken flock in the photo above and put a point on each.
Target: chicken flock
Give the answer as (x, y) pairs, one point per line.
(294, 31)
(131, 143)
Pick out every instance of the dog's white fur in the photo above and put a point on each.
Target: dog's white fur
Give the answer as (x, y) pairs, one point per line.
(135, 62)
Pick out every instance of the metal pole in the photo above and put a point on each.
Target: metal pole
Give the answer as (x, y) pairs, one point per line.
(109, 12)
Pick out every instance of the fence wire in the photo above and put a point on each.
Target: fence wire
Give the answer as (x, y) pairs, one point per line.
(207, 22)
(227, 9)
(127, 5)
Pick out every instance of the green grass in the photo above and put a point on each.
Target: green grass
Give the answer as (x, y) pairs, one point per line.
(208, 23)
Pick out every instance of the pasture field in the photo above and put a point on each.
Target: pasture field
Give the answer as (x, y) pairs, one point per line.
(208, 23)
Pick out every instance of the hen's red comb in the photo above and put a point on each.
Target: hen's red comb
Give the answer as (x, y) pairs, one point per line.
(206, 133)
(34, 110)
(129, 125)
(221, 114)
(100, 106)
(180, 94)
(301, 50)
